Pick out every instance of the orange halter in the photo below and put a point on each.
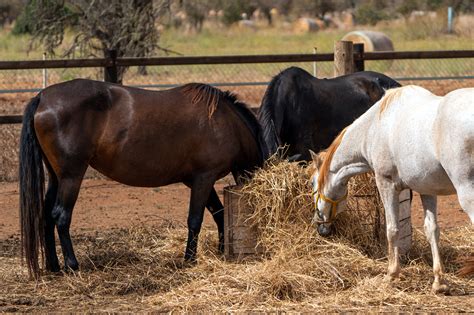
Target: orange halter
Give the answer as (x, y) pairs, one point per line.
(334, 203)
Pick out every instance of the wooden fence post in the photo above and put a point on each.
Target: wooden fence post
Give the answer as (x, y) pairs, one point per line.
(359, 51)
(111, 72)
(343, 58)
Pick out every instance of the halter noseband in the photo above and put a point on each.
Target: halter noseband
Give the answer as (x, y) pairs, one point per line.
(334, 204)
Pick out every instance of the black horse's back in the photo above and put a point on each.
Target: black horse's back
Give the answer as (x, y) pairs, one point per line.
(305, 112)
(384, 81)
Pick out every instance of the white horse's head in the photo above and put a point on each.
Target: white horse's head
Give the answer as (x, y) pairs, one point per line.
(328, 195)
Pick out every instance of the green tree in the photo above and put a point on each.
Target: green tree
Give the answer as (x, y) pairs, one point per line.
(408, 6)
(126, 26)
(233, 10)
(370, 13)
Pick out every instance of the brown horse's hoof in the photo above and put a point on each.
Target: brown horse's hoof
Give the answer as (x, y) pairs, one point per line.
(53, 268)
(391, 278)
(189, 263)
(440, 288)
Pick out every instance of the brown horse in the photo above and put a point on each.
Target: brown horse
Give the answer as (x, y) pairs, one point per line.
(193, 134)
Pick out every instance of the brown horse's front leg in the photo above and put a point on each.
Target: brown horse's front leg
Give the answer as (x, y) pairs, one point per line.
(200, 191)
(214, 205)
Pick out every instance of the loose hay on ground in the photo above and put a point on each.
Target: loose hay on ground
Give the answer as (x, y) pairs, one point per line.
(141, 268)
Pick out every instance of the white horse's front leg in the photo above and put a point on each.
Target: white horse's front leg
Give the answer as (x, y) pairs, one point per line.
(391, 204)
(432, 234)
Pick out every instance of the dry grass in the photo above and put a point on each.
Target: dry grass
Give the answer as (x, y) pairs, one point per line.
(141, 269)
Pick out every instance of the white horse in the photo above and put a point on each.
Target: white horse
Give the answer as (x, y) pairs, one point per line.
(413, 139)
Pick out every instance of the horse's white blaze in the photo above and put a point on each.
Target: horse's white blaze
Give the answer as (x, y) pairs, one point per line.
(419, 141)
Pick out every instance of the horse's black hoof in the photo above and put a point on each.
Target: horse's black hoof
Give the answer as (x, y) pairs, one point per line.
(71, 267)
(220, 249)
(55, 268)
(190, 262)
(325, 230)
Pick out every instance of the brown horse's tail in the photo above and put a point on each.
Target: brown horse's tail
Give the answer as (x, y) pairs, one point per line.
(31, 177)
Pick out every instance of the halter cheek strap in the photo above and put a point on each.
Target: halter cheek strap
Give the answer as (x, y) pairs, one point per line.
(334, 203)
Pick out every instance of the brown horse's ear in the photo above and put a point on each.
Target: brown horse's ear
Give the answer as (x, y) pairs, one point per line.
(316, 159)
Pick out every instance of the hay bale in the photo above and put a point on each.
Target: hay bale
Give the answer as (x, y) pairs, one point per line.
(280, 198)
(306, 25)
(373, 41)
(463, 26)
(247, 24)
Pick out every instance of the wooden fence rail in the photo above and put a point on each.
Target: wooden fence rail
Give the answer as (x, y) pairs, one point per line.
(237, 59)
(111, 63)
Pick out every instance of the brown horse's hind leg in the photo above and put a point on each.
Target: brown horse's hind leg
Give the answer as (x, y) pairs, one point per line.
(214, 205)
(68, 190)
(200, 191)
(52, 263)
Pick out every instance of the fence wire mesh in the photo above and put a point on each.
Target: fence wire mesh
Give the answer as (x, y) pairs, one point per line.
(249, 80)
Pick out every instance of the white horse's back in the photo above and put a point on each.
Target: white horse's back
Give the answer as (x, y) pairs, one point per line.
(406, 126)
(430, 140)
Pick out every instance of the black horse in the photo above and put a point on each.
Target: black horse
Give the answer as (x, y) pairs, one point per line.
(306, 113)
(193, 134)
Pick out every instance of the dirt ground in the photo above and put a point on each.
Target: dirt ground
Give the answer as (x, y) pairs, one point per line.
(105, 207)
(104, 204)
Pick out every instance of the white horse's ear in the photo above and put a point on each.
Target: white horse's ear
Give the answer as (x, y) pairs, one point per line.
(316, 159)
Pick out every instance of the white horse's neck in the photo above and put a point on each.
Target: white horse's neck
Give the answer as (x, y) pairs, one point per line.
(350, 158)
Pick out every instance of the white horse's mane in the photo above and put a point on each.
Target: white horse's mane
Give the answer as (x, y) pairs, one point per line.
(394, 94)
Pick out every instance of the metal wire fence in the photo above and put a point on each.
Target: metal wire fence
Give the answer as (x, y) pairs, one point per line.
(249, 81)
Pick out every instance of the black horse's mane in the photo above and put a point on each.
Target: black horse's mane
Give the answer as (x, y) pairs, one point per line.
(244, 112)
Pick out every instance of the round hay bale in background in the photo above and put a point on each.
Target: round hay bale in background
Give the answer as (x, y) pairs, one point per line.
(247, 24)
(373, 41)
(463, 25)
(306, 25)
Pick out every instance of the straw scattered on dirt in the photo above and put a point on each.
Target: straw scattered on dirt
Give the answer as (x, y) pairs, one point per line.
(141, 269)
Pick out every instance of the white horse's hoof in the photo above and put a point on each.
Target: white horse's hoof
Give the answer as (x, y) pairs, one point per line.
(440, 288)
(391, 278)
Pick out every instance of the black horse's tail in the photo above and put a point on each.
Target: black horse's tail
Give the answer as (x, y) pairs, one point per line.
(270, 121)
(31, 177)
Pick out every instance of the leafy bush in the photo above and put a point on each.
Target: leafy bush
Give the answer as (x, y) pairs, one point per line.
(367, 14)
(234, 9)
(408, 6)
(23, 22)
(26, 21)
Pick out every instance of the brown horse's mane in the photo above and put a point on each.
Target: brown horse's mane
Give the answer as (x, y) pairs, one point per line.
(205, 93)
(201, 92)
(327, 158)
